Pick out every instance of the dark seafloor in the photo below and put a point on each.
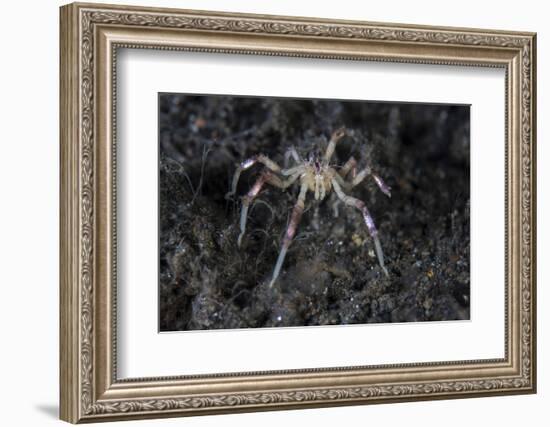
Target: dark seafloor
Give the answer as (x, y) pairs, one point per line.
(330, 275)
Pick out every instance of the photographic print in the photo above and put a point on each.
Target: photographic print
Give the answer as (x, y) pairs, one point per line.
(279, 212)
(317, 238)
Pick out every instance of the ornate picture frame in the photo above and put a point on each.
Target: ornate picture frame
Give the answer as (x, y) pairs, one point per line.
(90, 37)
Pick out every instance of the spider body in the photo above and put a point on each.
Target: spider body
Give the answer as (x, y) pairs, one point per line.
(317, 176)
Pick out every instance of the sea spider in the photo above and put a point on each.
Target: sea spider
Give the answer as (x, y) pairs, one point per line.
(316, 175)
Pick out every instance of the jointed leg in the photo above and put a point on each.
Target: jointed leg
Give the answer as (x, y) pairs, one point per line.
(318, 187)
(291, 152)
(251, 195)
(352, 201)
(255, 190)
(343, 183)
(337, 135)
(291, 230)
(315, 220)
(270, 164)
(386, 189)
(283, 184)
(293, 170)
(335, 207)
(350, 165)
(381, 184)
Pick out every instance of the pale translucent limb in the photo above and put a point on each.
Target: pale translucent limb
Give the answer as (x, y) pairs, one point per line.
(283, 184)
(315, 220)
(317, 185)
(360, 205)
(293, 170)
(291, 231)
(255, 190)
(350, 165)
(291, 153)
(335, 206)
(266, 161)
(250, 196)
(386, 189)
(323, 191)
(337, 135)
(342, 182)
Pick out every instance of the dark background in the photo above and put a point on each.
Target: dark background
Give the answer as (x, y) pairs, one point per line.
(330, 274)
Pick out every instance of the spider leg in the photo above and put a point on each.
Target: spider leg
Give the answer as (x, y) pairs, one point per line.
(336, 136)
(283, 184)
(291, 152)
(250, 196)
(315, 220)
(317, 186)
(350, 165)
(386, 189)
(335, 205)
(342, 182)
(293, 170)
(266, 161)
(255, 190)
(360, 205)
(290, 231)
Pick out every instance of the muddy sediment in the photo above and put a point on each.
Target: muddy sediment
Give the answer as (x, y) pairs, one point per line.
(330, 275)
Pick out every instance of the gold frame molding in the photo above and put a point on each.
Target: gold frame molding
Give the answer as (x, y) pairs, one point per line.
(90, 36)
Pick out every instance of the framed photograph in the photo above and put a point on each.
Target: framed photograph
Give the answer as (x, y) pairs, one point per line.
(266, 212)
